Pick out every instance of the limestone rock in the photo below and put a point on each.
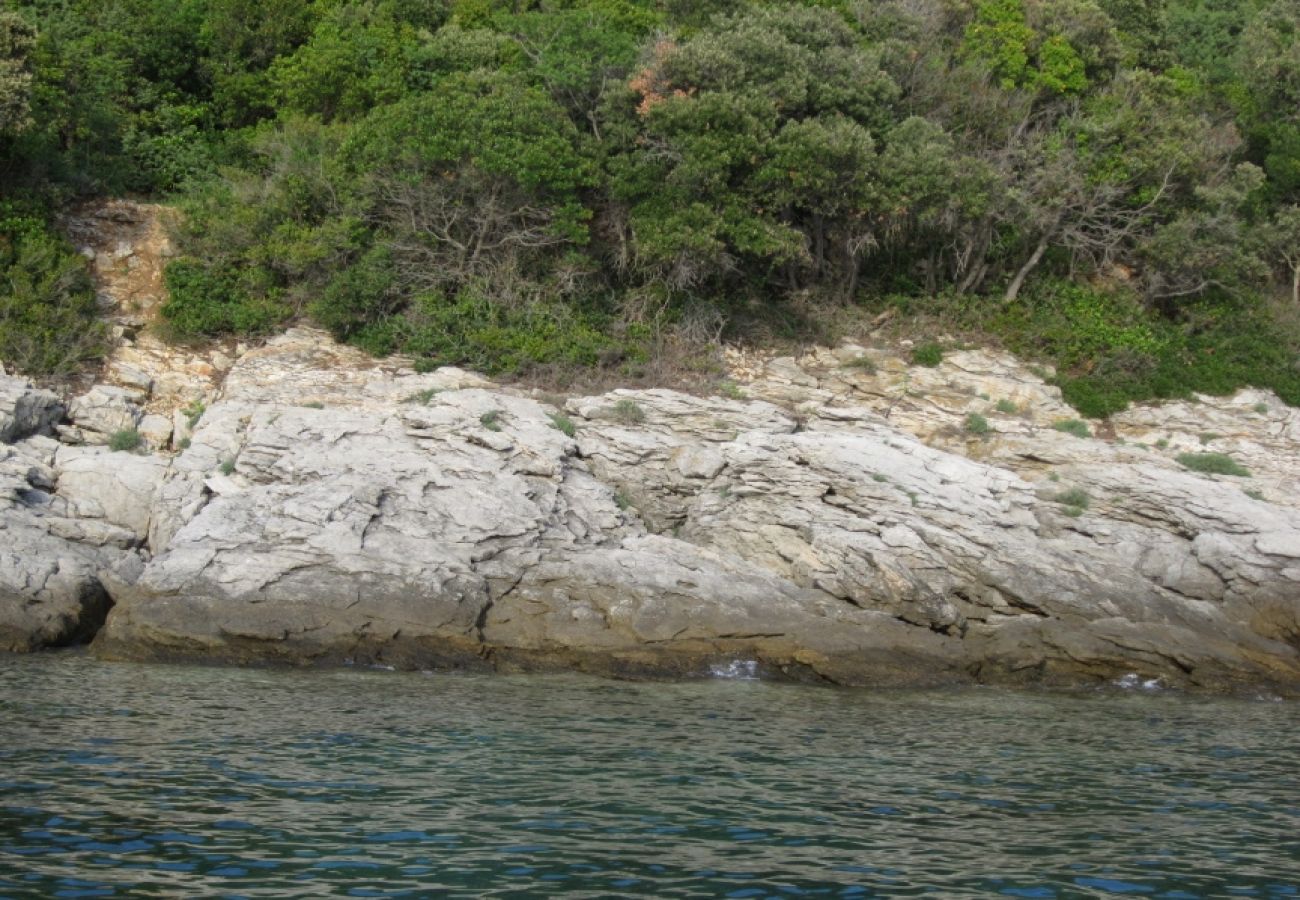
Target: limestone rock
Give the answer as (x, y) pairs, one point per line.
(26, 410)
(104, 410)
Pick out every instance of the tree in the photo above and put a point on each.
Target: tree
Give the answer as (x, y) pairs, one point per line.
(17, 39)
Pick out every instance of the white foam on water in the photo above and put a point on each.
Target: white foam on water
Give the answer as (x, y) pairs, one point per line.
(1132, 680)
(737, 669)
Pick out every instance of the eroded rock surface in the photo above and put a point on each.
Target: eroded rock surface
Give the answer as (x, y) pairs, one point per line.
(330, 509)
(834, 518)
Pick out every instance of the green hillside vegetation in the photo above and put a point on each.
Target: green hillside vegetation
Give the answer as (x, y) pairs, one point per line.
(1109, 185)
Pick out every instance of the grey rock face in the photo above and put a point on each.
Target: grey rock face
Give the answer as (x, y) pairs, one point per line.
(329, 509)
(26, 410)
(104, 410)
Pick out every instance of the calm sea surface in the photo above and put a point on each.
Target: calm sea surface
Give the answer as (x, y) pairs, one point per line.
(125, 780)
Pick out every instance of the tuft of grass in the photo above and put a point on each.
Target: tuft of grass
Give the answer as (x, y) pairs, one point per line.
(1213, 464)
(911, 495)
(563, 424)
(863, 364)
(732, 391)
(1254, 494)
(424, 365)
(1260, 408)
(1076, 427)
(491, 420)
(977, 424)
(315, 404)
(629, 412)
(1206, 436)
(1007, 406)
(421, 397)
(228, 467)
(193, 413)
(929, 354)
(185, 443)
(1162, 444)
(877, 477)
(1075, 501)
(128, 440)
(622, 500)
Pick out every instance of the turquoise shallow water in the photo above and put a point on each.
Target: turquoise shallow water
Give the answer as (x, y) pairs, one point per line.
(177, 781)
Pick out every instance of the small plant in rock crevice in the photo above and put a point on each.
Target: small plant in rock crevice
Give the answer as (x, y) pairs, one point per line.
(228, 466)
(732, 391)
(628, 411)
(1075, 501)
(1213, 464)
(928, 354)
(491, 420)
(128, 440)
(977, 424)
(1008, 407)
(863, 364)
(563, 424)
(1076, 427)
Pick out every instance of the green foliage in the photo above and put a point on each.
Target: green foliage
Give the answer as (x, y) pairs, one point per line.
(421, 397)
(928, 354)
(863, 364)
(563, 424)
(522, 186)
(1213, 464)
(491, 420)
(1075, 427)
(977, 424)
(628, 411)
(128, 440)
(1075, 501)
(193, 412)
(48, 322)
(227, 466)
(1007, 406)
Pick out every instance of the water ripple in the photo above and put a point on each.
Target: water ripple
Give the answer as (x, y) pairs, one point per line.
(119, 780)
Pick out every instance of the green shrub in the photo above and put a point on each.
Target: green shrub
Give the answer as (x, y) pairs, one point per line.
(491, 420)
(207, 299)
(1206, 437)
(128, 440)
(48, 317)
(1007, 406)
(863, 364)
(563, 424)
(227, 467)
(1076, 497)
(1213, 464)
(193, 413)
(928, 354)
(1261, 408)
(1073, 426)
(977, 424)
(628, 411)
(421, 397)
(732, 391)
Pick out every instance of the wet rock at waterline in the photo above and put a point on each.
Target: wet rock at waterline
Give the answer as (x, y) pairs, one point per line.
(327, 508)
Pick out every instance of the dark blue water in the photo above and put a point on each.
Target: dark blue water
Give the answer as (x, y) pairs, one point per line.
(122, 780)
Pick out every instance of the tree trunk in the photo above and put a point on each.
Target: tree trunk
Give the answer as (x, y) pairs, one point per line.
(1013, 289)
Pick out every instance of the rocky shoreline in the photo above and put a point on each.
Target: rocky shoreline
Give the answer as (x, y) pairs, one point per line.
(844, 517)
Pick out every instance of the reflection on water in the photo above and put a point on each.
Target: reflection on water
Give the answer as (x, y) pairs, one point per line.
(177, 781)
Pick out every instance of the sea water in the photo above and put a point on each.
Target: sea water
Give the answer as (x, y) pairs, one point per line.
(177, 781)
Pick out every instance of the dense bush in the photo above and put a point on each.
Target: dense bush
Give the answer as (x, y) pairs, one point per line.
(1112, 185)
(48, 324)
